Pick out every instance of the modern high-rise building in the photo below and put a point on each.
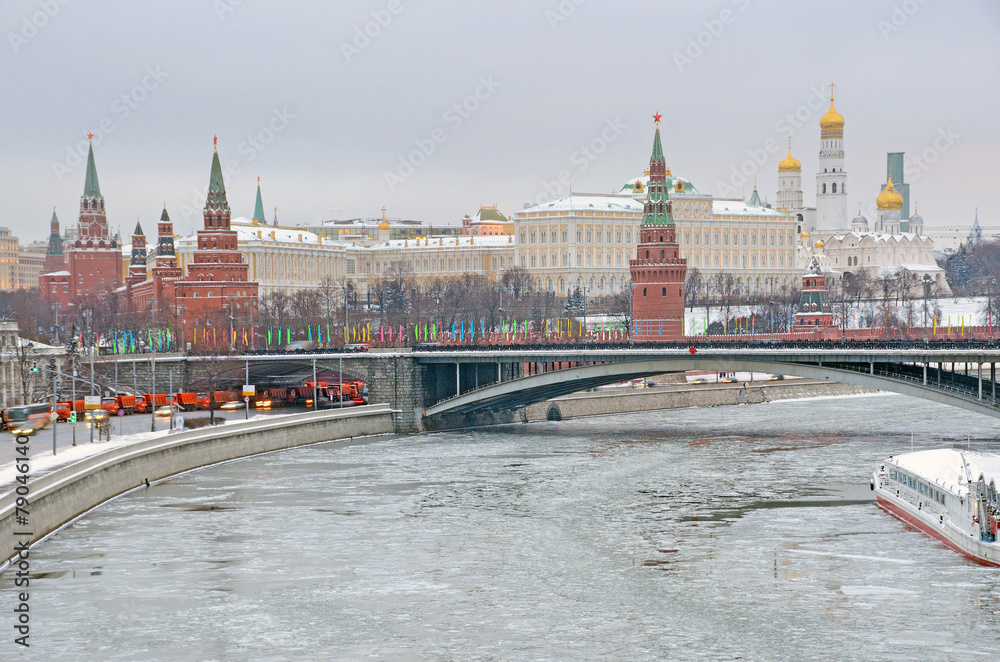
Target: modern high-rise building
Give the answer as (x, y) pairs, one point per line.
(894, 171)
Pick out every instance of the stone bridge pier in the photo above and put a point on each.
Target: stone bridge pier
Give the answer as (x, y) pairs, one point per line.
(411, 386)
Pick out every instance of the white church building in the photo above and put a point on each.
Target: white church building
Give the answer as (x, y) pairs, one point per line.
(884, 247)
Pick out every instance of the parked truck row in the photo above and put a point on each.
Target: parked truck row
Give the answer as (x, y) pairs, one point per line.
(36, 416)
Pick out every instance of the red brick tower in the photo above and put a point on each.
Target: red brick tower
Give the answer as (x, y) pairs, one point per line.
(55, 260)
(136, 269)
(165, 270)
(658, 271)
(93, 260)
(137, 264)
(217, 285)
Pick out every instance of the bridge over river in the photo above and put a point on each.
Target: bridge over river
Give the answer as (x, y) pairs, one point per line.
(455, 387)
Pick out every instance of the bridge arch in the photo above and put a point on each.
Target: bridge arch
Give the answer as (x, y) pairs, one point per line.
(547, 385)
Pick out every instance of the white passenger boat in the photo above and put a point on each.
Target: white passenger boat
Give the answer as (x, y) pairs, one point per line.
(948, 494)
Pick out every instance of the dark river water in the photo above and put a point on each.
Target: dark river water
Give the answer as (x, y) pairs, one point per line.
(744, 532)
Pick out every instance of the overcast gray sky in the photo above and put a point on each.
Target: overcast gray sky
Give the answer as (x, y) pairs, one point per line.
(430, 108)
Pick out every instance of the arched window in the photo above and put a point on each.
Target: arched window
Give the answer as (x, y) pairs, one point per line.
(663, 255)
(644, 291)
(835, 187)
(647, 255)
(664, 292)
(824, 188)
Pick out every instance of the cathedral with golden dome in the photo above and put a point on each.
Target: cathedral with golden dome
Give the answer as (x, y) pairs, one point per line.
(892, 246)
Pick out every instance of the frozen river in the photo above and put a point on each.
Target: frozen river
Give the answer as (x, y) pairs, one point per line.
(743, 532)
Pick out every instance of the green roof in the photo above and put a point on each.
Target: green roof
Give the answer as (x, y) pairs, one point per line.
(656, 210)
(91, 187)
(216, 187)
(258, 208)
(138, 230)
(55, 246)
(491, 214)
(755, 199)
(657, 148)
(164, 218)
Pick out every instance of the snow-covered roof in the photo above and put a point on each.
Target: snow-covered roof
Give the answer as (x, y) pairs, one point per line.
(246, 232)
(914, 266)
(57, 273)
(944, 466)
(741, 208)
(459, 241)
(249, 233)
(881, 237)
(579, 202)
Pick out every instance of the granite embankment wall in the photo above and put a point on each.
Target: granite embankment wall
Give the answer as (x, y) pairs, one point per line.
(626, 400)
(64, 493)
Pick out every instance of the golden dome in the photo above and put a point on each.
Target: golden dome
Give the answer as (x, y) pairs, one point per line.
(832, 119)
(804, 235)
(790, 163)
(889, 198)
(819, 243)
(384, 225)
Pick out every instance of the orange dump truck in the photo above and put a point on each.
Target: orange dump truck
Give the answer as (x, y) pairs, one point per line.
(147, 403)
(65, 408)
(186, 401)
(271, 397)
(126, 403)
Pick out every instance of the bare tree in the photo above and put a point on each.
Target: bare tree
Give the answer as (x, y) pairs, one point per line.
(692, 287)
(394, 293)
(26, 369)
(620, 306)
(276, 309)
(214, 368)
(329, 298)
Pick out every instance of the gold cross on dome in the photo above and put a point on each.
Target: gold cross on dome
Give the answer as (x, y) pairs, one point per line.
(832, 85)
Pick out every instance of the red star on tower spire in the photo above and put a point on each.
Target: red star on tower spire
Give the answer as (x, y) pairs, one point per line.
(90, 137)
(657, 116)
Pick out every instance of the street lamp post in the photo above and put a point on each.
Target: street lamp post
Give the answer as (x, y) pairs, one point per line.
(885, 305)
(180, 311)
(152, 347)
(55, 308)
(927, 292)
(87, 316)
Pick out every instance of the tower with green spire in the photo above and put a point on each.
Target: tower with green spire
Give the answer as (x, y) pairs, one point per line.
(755, 197)
(93, 219)
(93, 260)
(657, 210)
(54, 259)
(165, 238)
(258, 208)
(658, 272)
(138, 247)
(137, 262)
(217, 282)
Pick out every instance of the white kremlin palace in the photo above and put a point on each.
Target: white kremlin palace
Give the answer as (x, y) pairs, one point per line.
(585, 240)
